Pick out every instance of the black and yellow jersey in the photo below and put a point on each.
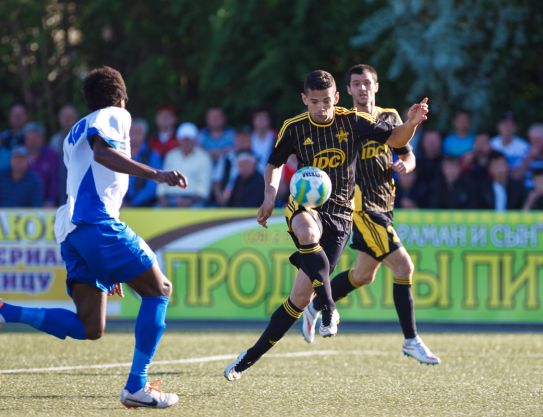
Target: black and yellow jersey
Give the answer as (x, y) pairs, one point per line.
(332, 147)
(375, 189)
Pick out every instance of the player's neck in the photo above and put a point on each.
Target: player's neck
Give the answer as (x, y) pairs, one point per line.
(368, 108)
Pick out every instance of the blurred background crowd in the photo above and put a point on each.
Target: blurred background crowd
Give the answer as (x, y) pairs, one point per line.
(224, 65)
(456, 169)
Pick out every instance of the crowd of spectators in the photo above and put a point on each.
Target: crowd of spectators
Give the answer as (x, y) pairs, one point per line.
(462, 169)
(472, 170)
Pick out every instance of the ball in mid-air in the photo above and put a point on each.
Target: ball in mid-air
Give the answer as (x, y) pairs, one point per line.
(310, 187)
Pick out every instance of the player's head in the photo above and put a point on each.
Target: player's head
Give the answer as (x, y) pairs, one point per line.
(104, 87)
(362, 85)
(320, 95)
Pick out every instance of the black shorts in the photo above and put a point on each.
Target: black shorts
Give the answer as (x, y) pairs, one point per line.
(373, 234)
(335, 232)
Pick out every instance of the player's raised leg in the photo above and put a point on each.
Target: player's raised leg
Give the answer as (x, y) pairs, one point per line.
(58, 322)
(280, 322)
(155, 290)
(312, 259)
(401, 265)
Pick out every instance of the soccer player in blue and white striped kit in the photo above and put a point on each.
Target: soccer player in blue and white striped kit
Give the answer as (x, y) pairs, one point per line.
(99, 250)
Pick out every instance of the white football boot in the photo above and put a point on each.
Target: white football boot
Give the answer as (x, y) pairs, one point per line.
(230, 372)
(309, 322)
(331, 330)
(416, 349)
(149, 396)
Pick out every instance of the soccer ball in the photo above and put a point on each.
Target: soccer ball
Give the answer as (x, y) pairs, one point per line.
(310, 187)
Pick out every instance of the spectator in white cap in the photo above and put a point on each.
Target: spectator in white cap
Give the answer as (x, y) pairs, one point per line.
(196, 165)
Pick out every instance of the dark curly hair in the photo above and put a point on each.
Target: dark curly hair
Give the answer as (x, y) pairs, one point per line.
(319, 80)
(104, 87)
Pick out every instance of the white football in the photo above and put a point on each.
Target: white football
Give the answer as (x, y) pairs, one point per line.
(310, 187)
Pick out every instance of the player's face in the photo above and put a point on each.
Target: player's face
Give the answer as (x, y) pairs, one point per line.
(363, 88)
(320, 104)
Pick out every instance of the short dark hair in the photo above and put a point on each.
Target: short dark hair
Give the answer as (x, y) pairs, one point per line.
(104, 87)
(496, 155)
(319, 80)
(359, 69)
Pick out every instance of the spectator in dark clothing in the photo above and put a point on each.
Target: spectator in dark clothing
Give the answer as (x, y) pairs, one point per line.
(499, 192)
(225, 171)
(429, 160)
(19, 187)
(475, 163)
(43, 161)
(452, 191)
(248, 188)
(408, 194)
(141, 192)
(166, 122)
(534, 201)
(18, 117)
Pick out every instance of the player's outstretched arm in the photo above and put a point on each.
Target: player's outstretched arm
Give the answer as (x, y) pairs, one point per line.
(116, 161)
(272, 177)
(402, 134)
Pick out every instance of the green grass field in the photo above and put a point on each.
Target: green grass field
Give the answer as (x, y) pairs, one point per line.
(361, 375)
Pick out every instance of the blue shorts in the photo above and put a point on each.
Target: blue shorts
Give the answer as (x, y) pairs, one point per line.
(101, 255)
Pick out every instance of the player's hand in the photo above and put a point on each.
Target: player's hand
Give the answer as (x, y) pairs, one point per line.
(398, 166)
(264, 212)
(418, 113)
(173, 178)
(117, 290)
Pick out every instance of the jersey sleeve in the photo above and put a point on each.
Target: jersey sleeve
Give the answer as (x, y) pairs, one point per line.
(403, 150)
(112, 125)
(284, 147)
(369, 128)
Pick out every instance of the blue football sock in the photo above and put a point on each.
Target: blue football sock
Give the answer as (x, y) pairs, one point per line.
(150, 326)
(58, 322)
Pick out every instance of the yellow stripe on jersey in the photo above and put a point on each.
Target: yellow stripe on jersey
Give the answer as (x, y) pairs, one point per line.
(287, 123)
(367, 116)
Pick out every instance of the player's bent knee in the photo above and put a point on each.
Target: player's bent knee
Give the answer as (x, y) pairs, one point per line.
(166, 288)
(300, 301)
(94, 331)
(405, 269)
(307, 236)
(361, 278)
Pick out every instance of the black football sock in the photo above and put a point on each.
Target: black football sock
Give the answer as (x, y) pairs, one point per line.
(314, 262)
(403, 301)
(341, 285)
(280, 321)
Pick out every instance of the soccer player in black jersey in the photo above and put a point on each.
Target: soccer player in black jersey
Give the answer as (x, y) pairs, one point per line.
(373, 234)
(330, 138)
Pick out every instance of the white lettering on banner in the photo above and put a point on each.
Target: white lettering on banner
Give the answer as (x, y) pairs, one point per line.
(30, 256)
(434, 235)
(25, 282)
(508, 236)
(460, 235)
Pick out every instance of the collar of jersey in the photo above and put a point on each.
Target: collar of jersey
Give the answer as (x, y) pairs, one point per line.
(318, 124)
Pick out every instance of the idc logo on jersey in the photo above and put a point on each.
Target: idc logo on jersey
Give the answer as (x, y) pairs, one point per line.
(329, 158)
(373, 150)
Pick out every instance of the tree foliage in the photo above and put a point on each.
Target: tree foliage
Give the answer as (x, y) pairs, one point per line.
(482, 55)
(477, 55)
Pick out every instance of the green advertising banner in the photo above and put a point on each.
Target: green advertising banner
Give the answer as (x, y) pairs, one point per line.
(470, 266)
